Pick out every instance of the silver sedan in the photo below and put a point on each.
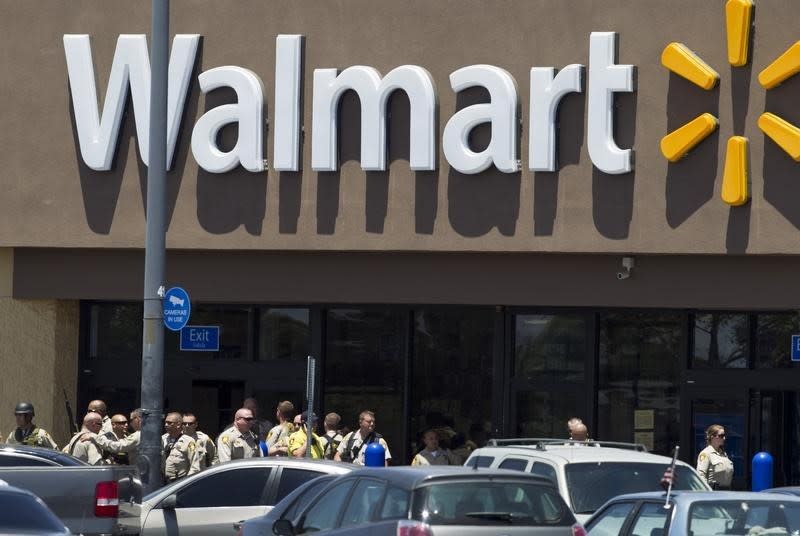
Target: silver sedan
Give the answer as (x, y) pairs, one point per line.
(213, 501)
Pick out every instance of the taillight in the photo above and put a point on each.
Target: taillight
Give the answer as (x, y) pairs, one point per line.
(106, 499)
(413, 528)
(578, 530)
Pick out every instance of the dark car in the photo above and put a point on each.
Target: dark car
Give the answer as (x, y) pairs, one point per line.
(23, 513)
(289, 508)
(23, 456)
(434, 501)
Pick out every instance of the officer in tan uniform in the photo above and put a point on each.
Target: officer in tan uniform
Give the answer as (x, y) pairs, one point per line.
(238, 442)
(278, 436)
(128, 445)
(99, 407)
(206, 449)
(179, 457)
(27, 433)
(85, 450)
(713, 463)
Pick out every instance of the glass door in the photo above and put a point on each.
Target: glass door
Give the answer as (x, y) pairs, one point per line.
(730, 410)
(776, 431)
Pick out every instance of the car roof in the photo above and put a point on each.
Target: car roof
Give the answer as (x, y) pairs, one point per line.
(686, 496)
(411, 477)
(55, 456)
(575, 453)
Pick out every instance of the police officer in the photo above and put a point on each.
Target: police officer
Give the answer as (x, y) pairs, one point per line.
(128, 445)
(238, 442)
(354, 444)
(278, 436)
(206, 449)
(85, 450)
(433, 454)
(179, 456)
(27, 433)
(119, 430)
(713, 463)
(99, 407)
(332, 438)
(298, 441)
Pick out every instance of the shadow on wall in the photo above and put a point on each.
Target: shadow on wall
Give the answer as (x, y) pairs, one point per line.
(100, 189)
(376, 182)
(571, 112)
(612, 195)
(781, 173)
(690, 181)
(478, 203)
(239, 197)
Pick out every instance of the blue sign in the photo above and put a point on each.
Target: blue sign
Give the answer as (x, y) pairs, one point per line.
(177, 308)
(795, 347)
(200, 339)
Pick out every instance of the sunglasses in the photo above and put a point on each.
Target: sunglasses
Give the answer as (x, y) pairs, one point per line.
(720, 435)
(248, 419)
(190, 424)
(119, 422)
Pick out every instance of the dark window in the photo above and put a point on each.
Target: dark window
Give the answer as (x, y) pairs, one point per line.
(284, 334)
(550, 355)
(480, 461)
(774, 340)
(610, 520)
(590, 485)
(721, 340)
(323, 514)
(515, 464)
(115, 331)
(24, 514)
(651, 520)
(10, 460)
(362, 503)
(235, 332)
(302, 500)
(463, 502)
(453, 362)
(639, 370)
(545, 470)
(291, 479)
(235, 487)
(395, 504)
(364, 369)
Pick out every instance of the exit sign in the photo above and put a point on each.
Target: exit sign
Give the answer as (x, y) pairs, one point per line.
(200, 339)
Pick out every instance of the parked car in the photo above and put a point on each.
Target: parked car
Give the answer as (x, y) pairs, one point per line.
(88, 499)
(289, 508)
(22, 512)
(212, 501)
(697, 513)
(788, 490)
(434, 501)
(587, 473)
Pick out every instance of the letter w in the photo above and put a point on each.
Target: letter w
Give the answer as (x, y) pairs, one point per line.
(98, 135)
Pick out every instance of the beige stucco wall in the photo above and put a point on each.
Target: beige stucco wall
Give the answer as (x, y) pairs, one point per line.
(53, 200)
(38, 358)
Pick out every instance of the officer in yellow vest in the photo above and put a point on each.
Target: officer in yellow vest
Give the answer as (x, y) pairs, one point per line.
(298, 441)
(27, 433)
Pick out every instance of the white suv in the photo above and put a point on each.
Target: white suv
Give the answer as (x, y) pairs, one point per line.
(587, 473)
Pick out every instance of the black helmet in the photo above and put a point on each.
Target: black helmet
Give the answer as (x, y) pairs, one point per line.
(24, 407)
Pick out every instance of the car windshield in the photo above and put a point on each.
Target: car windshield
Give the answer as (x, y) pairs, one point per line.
(488, 502)
(590, 485)
(22, 513)
(744, 517)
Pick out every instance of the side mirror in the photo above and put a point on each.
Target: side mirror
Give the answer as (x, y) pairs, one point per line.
(283, 527)
(170, 502)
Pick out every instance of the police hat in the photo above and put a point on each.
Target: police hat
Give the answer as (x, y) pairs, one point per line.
(23, 408)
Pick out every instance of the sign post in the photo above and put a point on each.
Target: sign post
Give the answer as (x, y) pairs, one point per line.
(310, 383)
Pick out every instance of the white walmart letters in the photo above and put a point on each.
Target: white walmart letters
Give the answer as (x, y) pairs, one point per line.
(98, 135)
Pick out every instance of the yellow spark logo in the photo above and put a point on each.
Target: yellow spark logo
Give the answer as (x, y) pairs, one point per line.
(680, 60)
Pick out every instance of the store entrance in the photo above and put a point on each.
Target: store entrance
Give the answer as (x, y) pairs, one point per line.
(755, 420)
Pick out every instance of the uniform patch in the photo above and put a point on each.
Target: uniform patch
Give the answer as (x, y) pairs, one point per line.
(703, 456)
(191, 447)
(225, 439)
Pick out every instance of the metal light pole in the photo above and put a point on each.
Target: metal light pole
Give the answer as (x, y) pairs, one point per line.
(153, 340)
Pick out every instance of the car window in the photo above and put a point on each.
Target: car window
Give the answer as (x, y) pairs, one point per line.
(26, 514)
(480, 461)
(363, 501)
(590, 485)
(235, 487)
(651, 520)
(515, 464)
(744, 517)
(544, 469)
(323, 514)
(395, 504)
(491, 503)
(302, 500)
(291, 479)
(7, 460)
(609, 522)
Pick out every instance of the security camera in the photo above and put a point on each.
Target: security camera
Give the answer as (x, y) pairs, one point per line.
(623, 275)
(627, 264)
